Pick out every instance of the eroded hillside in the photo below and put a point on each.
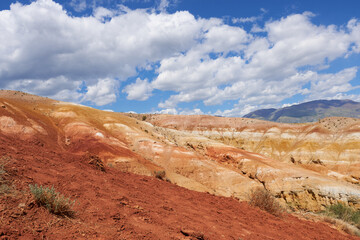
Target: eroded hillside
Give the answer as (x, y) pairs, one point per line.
(221, 156)
(307, 165)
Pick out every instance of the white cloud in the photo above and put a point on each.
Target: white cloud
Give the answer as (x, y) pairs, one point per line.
(45, 51)
(245, 20)
(195, 111)
(195, 95)
(250, 19)
(78, 5)
(163, 5)
(140, 90)
(265, 71)
(289, 104)
(354, 26)
(331, 85)
(172, 111)
(323, 86)
(60, 88)
(39, 42)
(101, 13)
(103, 92)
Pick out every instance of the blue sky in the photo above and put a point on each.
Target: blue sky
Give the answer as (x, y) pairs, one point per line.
(225, 57)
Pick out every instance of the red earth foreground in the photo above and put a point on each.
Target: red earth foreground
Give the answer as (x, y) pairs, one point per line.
(118, 205)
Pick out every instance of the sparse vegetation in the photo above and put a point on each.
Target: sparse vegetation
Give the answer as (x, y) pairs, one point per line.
(344, 213)
(160, 174)
(96, 162)
(55, 202)
(4, 186)
(264, 200)
(144, 117)
(344, 226)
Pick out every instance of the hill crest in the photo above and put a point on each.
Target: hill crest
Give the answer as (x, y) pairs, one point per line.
(309, 111)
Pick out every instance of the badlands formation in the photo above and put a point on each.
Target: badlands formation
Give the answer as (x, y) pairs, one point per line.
(306, 166)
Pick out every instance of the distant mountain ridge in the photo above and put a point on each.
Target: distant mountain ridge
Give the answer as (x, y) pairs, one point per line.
(309, 111)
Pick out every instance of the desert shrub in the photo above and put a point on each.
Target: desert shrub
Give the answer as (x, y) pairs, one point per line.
(344, 226)
(55, 202)
(3, 162)
(160, 174)
(4, 186)
(345, 213)
(263, 199)
(144, 118)
(96, 162)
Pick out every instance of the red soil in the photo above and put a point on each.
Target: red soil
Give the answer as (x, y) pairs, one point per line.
(117, 205)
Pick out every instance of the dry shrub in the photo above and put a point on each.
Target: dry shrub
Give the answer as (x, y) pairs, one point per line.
(342, 225)
(160, 174)
(5, 188)
(96, 162)
(264, 200)
(55, 202)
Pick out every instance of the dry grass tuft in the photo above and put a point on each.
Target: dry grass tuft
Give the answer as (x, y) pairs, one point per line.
(5, 188)
(55, 202)
(341, 225)
(264, 200)
(96, 162)
(160, 174)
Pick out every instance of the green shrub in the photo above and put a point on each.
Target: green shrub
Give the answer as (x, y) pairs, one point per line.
(144, 117)
(263, 199)
(55, 202)
(345, 213)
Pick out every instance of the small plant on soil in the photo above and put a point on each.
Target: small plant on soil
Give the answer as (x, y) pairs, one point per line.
(160, 174)
(144, 118)
(345, 213)
(4, 186)
(55, 202)
(96, 162)
(264, 200)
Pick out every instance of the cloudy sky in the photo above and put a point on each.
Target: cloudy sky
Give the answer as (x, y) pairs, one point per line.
(222, 57)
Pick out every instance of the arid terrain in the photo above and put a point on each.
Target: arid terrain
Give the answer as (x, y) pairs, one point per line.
(170, 177)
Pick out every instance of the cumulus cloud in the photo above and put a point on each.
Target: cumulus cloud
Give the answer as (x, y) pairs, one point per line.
(354, 26)
(172, 111)
(78, 5)
(195, 111)
(331, 85)
(102, 14)
(265, 71)
(163, 5)
(60, 87)
(140, 90)
(40, 41)
(103, 92)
